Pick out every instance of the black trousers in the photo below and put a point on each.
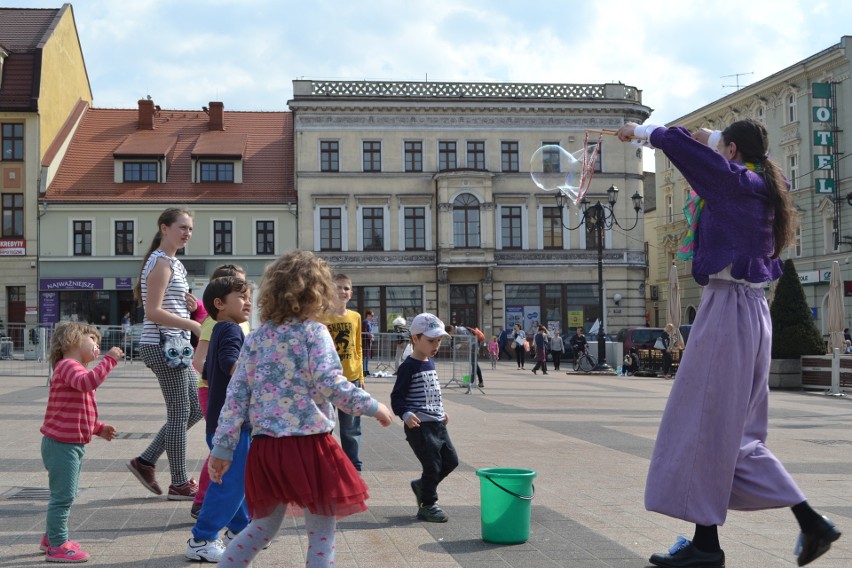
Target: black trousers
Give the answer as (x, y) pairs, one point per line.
(557, 359)
(433, 448)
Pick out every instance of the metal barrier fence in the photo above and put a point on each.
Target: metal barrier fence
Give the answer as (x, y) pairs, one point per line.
(455, 361)
(24, 351)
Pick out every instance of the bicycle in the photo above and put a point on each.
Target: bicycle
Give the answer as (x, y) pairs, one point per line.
(585, 362)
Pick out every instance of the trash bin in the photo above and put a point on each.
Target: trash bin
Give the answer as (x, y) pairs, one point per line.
(506, 500)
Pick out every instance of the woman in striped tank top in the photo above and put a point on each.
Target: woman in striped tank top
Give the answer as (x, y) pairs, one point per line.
(163, 291)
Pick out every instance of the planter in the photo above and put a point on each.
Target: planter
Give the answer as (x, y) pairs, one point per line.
(785, 374)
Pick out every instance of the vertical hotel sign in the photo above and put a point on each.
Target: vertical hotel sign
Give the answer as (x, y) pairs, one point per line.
(824, 114)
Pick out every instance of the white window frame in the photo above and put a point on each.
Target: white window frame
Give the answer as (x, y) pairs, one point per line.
(793, 171)
(792, 110)
(344, 224)
(359, 227)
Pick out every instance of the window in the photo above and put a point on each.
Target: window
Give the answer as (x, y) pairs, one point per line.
(223, 237)
(831, 244)
(265, 237)
(329, 156)
(509, 156)
(447, 155)
(217, 171)
(13, 141)
(552, 227)
(793, 171)
(413, 156)
(669, 209)
(550, 158)
(123, 238)
(373, 228)
(792, 111)
(476, 154)
(13, 215)
(466, 221)
(510, 227)
(415, 228)
(82, 238)
(330, 229)
(372, 156)
(388, 302)
(591, 235)
(796, 249)
(590, 147)
(140, 171)
(760, 114)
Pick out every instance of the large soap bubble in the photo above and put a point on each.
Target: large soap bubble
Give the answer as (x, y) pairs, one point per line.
(553, 168)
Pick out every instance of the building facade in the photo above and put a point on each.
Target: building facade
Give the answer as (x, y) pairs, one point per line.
(421, 193)
(43, 81)
(119, 169)
(807, 110)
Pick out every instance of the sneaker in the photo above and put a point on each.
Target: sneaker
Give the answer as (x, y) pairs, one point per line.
(68, 552)
(229, 536)
(415, 487)
(45, 544)
(431, 514)
(205, 550)
(185, 492)
(146, 475)
(196, 510)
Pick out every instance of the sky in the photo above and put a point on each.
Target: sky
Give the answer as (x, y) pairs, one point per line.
(246, 53)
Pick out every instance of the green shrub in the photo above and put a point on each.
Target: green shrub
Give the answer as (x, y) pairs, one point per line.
(794, 332)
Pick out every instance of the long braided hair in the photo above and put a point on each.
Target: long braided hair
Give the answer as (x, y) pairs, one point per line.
(752, 143)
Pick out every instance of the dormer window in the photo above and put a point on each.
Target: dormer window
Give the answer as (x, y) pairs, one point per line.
(216, 172)
(140, 171)
(217, 157)
(142, 157)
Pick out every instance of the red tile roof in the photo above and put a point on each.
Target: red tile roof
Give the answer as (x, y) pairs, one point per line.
(22, 34)
(86, 173)
(219, 144)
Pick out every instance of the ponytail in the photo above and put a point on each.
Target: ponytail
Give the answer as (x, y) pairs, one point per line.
(752, 142)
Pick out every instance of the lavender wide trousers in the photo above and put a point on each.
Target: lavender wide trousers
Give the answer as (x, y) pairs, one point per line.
(710, 454)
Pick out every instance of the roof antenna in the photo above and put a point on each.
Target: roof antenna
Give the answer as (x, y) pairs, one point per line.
(737, 80)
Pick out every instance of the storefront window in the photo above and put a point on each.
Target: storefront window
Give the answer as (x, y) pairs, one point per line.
(558, 306)
(387, 302)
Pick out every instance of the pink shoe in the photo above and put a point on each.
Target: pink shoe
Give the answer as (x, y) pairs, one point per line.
(66, 553)
(45, 544)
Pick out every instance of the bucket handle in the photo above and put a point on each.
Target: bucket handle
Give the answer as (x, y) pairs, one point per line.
(510, 492)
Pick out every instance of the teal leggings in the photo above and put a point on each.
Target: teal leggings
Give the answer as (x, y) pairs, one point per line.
(63, 463)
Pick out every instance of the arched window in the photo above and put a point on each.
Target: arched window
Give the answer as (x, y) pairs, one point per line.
(466, 221)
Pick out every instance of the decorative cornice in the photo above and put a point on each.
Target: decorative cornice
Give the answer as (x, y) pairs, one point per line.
(569, 257)
(426, 89)
(381, 259)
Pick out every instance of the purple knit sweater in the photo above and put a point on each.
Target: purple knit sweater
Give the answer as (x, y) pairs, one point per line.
(736, 224)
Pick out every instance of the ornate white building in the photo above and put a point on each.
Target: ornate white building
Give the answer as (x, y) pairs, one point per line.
(421, 193)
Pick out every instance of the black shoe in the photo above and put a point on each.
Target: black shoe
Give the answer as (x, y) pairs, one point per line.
(813, 545)
(431, 514)
(534, 372)
(481, 385)
(684, 555)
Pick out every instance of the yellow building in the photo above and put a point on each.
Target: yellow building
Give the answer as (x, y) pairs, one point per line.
(43, 87)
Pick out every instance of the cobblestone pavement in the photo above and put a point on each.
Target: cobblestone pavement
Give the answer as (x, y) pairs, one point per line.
(588, 438)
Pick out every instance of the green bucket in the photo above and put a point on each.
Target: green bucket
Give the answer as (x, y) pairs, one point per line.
(506, 501)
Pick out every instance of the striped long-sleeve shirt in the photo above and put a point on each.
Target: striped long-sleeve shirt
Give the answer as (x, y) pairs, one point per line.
(72, 413)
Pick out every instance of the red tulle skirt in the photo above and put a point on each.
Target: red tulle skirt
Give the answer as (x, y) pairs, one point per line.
(302, 472)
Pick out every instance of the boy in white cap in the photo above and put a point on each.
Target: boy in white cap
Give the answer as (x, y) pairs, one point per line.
(416, 398)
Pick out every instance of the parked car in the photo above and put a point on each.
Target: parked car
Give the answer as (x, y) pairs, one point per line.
(639, 337)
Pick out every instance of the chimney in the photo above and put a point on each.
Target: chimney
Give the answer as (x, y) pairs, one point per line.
(217, 116)
(146, 114)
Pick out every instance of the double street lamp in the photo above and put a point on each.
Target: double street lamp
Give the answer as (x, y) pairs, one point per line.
(600, 217)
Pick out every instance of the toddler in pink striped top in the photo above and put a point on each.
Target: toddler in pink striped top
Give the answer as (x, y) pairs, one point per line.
(70, 421)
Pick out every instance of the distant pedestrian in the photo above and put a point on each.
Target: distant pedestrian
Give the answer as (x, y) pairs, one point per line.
(557, 347)
(542, 340)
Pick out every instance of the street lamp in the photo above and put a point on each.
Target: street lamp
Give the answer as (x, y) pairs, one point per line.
(601, 217)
